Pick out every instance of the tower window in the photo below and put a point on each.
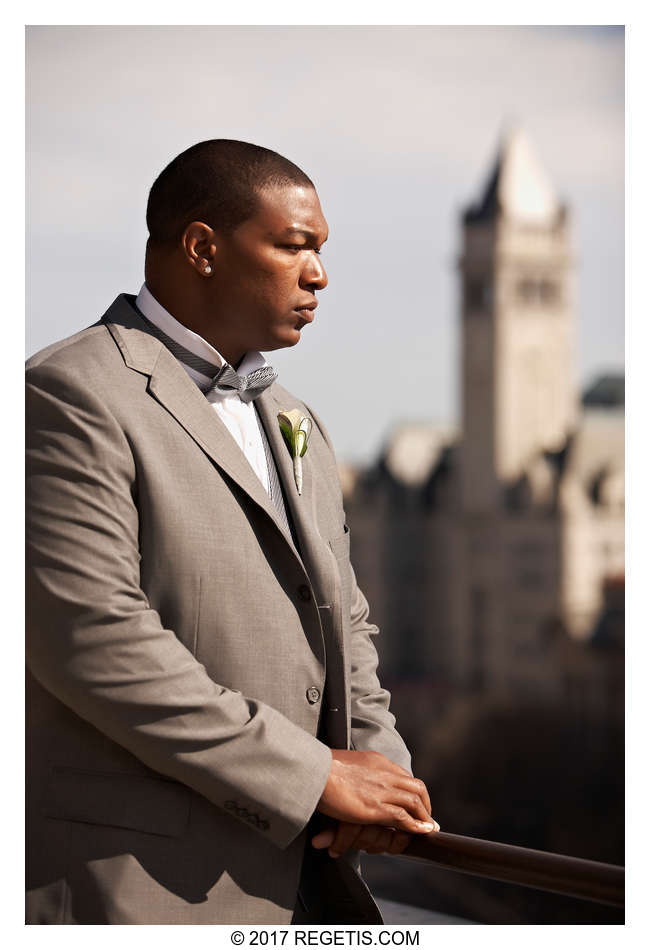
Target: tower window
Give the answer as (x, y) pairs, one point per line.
(527, 291)
(548, 291)
(535, 291)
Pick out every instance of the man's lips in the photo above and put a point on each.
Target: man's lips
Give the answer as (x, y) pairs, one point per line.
(306, 313)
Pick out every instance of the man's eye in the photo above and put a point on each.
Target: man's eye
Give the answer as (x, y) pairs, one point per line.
(302, 247)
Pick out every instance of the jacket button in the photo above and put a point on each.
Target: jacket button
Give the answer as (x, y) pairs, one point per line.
(304, 592)
(313, 694)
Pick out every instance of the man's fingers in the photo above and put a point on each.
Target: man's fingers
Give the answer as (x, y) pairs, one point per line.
(400, 819)
(346, 835)
(424, 793)
(415, 783)
(323, 839)
(398, 842)
(417, 787)
(374, 839)
(410, 802)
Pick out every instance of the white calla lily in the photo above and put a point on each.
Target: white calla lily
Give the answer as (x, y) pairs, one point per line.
(296, 430)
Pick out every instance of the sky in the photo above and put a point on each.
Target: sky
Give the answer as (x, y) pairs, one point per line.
(397, 126)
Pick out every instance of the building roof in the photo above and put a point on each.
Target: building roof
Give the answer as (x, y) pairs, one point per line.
(606, 391)
(413, 449)
(518, 187)
(595, 457)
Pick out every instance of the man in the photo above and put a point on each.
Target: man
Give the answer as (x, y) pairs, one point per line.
(209, 742)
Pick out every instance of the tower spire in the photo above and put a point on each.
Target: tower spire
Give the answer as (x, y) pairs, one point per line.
(518, 187)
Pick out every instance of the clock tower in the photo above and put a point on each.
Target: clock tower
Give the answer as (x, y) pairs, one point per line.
(519, 395)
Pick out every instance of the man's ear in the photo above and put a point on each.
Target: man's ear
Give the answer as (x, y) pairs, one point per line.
(200, 244)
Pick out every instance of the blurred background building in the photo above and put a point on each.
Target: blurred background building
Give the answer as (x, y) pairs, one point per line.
(494, 557)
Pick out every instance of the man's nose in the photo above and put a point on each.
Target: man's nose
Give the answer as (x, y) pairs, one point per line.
(313, 273)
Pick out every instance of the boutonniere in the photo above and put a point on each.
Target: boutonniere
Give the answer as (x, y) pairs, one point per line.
(296, 430)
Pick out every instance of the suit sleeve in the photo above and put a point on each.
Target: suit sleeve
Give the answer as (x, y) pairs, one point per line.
(96, 644)
(372, 722)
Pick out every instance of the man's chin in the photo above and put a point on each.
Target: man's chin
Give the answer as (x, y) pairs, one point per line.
(287, 340)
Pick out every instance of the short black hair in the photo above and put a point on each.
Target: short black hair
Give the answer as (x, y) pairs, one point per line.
(218, 182)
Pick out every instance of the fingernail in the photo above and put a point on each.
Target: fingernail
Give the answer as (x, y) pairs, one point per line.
(436, 826)
(426, 825)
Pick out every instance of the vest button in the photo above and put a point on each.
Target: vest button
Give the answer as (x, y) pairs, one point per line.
(304, 592)
(313, 694)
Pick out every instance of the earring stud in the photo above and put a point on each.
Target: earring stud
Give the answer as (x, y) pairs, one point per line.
(207, 269)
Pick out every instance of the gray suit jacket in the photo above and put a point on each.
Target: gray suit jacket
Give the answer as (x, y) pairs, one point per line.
(177, 646)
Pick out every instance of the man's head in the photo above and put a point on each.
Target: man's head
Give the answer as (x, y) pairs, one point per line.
(234, 234)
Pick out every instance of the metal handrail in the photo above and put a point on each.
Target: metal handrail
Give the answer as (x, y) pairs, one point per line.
(559, 873)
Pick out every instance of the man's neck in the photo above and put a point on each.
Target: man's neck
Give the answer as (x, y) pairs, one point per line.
(194, 341)
(188, 307)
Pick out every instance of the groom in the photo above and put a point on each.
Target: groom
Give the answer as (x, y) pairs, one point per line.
(208, 741)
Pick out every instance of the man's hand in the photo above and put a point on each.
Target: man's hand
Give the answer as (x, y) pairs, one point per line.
(373, 839)
(366, 788)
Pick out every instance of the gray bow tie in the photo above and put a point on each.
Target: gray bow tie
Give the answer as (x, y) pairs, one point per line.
(248, 387)
(227, 379)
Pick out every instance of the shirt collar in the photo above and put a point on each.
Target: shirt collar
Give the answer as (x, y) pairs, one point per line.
(156, 314)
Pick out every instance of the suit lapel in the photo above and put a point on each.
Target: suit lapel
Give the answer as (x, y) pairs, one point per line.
(171, 386)
(315, 550)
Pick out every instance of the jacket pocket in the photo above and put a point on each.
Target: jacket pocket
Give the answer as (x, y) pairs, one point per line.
(340, 547)
(341, 544)
(119, 800)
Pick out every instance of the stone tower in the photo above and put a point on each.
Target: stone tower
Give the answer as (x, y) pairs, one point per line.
(519, 394)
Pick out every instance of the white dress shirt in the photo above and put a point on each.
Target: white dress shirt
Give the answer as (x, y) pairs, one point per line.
(240, 418)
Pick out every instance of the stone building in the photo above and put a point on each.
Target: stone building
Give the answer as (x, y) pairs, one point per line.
(492, 557)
